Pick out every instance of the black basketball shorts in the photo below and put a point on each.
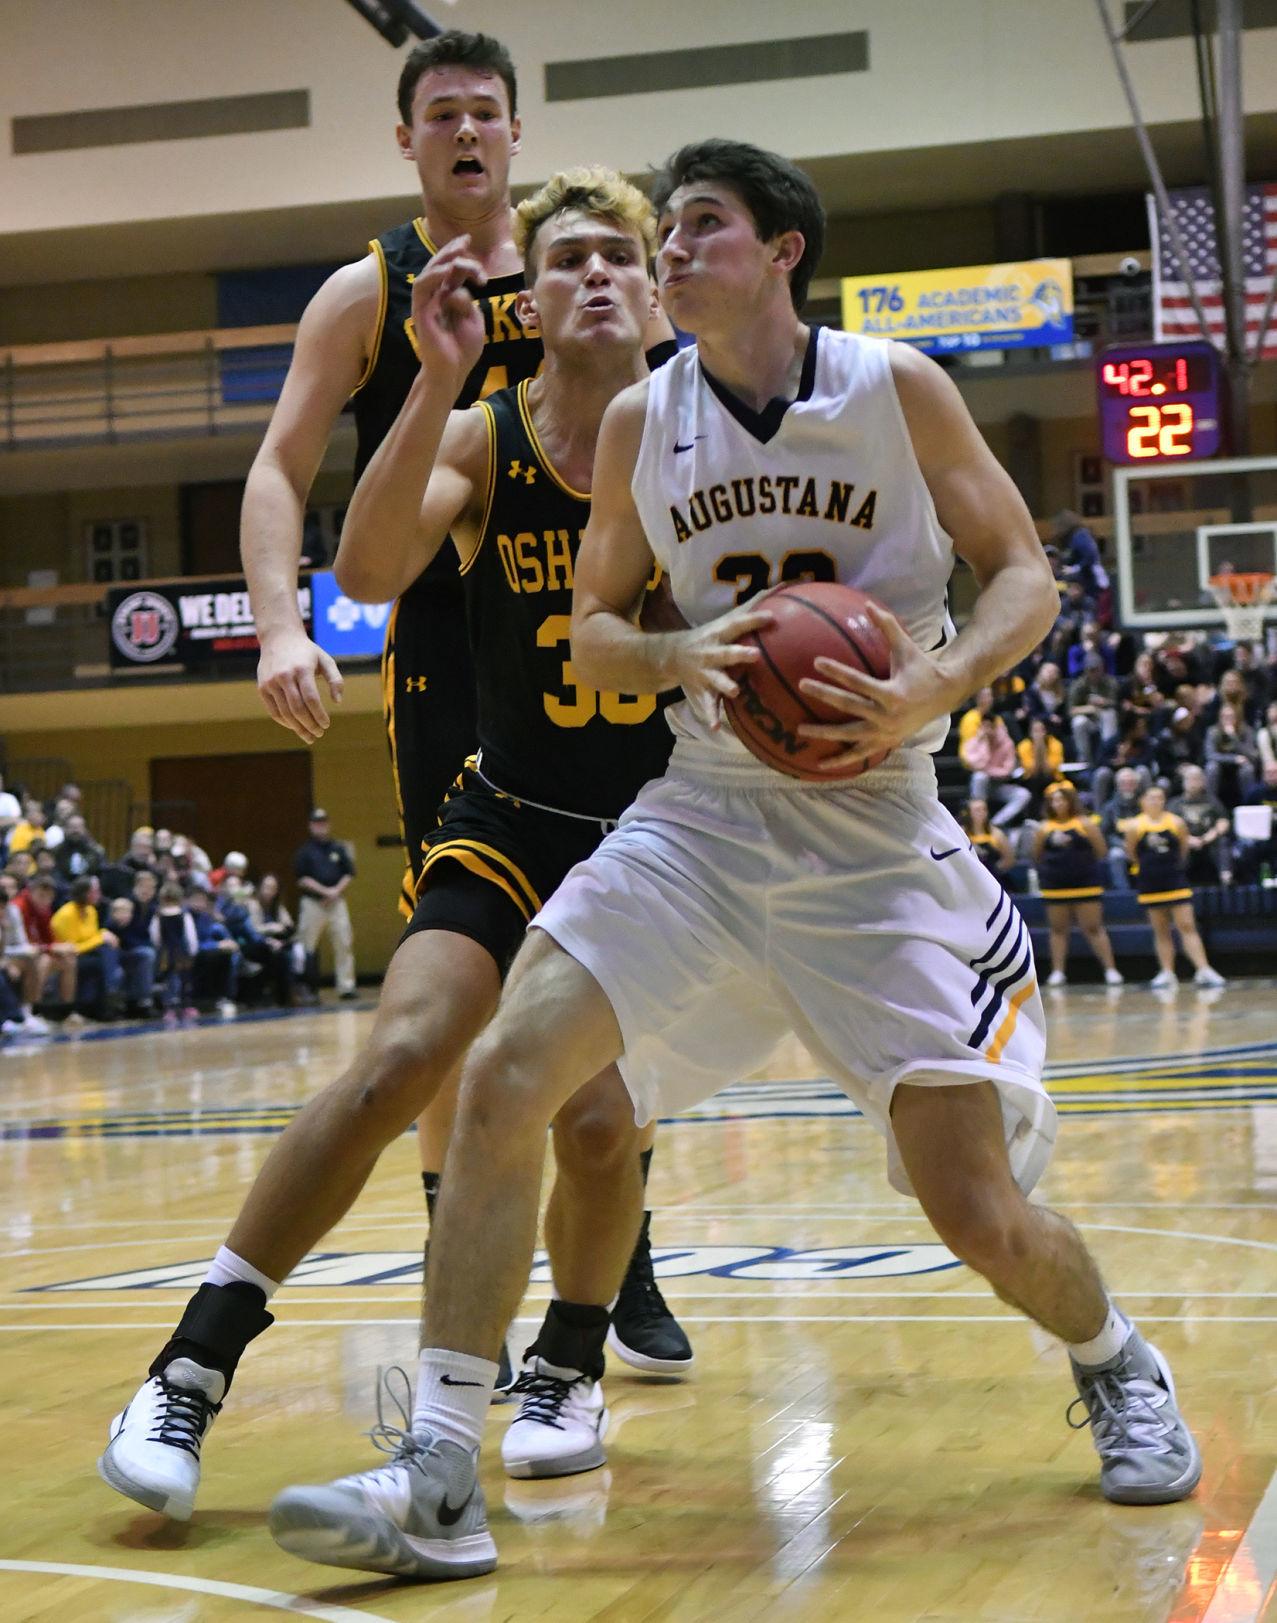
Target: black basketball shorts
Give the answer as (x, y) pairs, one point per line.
(492, 862)
(428, 701)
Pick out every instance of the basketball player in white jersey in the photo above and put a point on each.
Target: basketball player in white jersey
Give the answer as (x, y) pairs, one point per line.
(734, 904)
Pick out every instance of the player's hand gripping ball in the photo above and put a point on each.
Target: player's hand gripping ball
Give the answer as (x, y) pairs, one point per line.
(811, 619)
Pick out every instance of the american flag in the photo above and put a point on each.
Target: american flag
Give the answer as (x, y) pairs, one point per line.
(1174, 316)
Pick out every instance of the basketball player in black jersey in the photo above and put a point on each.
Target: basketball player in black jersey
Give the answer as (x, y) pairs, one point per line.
(457, 99)
(558, 764)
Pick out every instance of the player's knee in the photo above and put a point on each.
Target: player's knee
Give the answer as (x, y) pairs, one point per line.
(401, 1071)
(503, 1089)
(991, 1236)
(594, 1136)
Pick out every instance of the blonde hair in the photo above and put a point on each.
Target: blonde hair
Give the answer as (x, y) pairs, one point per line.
(593, 190)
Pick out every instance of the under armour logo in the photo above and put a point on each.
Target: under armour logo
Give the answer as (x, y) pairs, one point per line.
(516, 469)
(415, 684)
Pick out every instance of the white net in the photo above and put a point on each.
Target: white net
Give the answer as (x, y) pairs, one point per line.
(1243, 601)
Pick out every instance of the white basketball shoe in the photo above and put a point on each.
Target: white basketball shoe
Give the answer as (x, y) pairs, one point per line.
(561, 1423)
(153, 1455)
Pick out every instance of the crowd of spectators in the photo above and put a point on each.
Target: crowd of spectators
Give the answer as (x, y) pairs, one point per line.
(158, 932)
(1114, 713)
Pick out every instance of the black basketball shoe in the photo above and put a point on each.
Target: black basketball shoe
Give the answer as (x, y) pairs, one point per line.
(644, 1333)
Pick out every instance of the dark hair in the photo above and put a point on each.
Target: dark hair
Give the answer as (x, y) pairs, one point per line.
(81, 888)
(776, 192)
(456, 49)
(1069, 791)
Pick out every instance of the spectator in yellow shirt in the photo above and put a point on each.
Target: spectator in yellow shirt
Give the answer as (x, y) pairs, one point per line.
(97, 950)
(32, 827)
(969, 722)
(1041, 755)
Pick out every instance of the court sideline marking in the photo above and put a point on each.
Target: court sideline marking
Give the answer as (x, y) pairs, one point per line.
(280, 1600)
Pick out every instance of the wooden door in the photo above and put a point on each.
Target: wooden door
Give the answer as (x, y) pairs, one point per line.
(258, 804)
(210, 527)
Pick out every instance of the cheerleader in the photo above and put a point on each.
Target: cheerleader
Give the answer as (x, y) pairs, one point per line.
(1157, 848)
(989, 843)
(1068, 849)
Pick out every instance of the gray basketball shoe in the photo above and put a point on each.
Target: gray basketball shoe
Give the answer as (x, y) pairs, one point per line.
(420, 1516)
(1147, 1453)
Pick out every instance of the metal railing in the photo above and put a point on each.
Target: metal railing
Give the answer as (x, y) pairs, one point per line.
(211, 383)
(168, 386)
(51, 650)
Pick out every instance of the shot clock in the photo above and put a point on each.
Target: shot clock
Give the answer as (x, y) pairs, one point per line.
(1159, 402)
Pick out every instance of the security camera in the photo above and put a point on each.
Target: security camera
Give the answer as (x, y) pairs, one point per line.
(1129, 265)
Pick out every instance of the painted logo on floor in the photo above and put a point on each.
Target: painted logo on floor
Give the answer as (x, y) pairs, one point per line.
(743, 1262)
(1238, 1077)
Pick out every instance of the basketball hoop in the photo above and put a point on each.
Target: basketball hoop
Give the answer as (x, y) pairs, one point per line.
(1243, 600)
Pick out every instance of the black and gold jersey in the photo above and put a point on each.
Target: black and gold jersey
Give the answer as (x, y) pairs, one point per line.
(1067, 868)
(1159, 860)
(985, 847)
(511, 354)
(545, 737)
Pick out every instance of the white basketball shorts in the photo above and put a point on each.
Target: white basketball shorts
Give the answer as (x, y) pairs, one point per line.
(717, 919)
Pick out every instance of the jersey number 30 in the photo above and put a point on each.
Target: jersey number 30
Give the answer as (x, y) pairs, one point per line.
(752, 572)
(574, 705)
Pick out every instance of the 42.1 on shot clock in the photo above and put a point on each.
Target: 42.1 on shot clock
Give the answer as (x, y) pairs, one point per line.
(1159, 401)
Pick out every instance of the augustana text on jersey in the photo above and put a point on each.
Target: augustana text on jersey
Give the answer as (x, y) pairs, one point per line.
(792, 494)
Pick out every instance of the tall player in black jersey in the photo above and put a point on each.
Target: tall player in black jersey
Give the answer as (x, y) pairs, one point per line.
(457, 98)
(511, 487)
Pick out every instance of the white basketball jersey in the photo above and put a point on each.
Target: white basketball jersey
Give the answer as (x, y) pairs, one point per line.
(826, 487)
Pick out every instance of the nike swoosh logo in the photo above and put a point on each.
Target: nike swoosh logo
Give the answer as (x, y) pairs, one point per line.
(937, 856)
(448, 1515)
(690, 443)
(447, 1380)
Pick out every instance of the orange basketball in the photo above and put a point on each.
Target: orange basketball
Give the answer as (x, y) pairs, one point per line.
(812, 618)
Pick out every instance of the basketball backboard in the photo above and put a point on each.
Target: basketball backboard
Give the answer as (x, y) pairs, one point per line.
(1177, 524)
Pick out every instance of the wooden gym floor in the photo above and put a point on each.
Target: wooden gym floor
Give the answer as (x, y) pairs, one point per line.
(868, 1435)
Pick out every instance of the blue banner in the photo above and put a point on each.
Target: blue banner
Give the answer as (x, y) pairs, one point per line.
(343, 628)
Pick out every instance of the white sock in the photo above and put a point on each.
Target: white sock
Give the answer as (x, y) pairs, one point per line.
(1109, 1341)
(226, 1268)
(453, 1394)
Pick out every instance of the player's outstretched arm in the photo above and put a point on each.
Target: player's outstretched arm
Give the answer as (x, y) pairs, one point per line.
(413, 488)
(609, 649)
(328, 361)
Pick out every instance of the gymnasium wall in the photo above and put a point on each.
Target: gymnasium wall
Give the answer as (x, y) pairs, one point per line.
(112, 307)
(45, 529)
(122, 306)
(965, 75)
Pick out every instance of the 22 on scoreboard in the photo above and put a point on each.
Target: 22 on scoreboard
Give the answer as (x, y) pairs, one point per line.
(1159, 402)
